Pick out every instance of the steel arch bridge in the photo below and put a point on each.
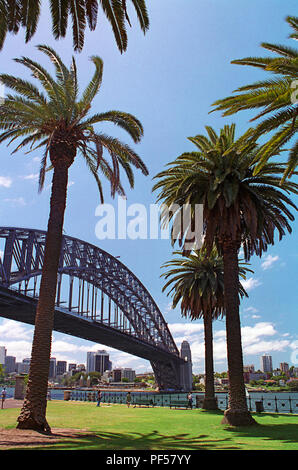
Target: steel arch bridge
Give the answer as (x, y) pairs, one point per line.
(98, 299)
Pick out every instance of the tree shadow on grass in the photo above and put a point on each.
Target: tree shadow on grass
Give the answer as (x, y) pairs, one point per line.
(283, 432)
(139, 441)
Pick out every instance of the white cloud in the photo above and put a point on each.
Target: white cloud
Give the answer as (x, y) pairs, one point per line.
(32, 176)
(251, 309)
(168, 308)
(250, 283)
(5, 181)
(10, 329)
(294, 345)
(268, 262)
(219, 334)
(257, 339)
(186, 329)
(265, 346)
(18, 201)
(251, 334)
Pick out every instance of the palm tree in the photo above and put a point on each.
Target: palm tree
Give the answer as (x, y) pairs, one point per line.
(277, 99)
(15, 14)
(239, 209)
(57, 120)
(197, 281)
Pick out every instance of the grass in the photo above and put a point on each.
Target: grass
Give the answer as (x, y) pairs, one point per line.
(116, 427)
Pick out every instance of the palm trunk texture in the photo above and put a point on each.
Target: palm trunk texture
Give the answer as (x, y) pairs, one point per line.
(209, 402)
(33, 413)
(237, 413)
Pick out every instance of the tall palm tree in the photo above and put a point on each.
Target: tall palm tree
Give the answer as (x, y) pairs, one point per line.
(15, 14)
(277, 99)
(197, 281)
(239, 209)
(58, 121)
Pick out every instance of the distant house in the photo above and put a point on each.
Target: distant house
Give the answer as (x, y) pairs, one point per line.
(224, 381)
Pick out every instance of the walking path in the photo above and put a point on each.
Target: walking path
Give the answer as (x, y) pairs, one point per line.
(12, 403)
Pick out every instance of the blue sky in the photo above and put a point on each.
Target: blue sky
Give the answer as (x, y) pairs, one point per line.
(168, 79)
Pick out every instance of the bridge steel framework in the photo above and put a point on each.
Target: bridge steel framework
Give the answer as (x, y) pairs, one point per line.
(98, 299)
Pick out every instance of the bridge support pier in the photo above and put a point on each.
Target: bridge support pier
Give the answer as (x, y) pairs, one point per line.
(167, 375)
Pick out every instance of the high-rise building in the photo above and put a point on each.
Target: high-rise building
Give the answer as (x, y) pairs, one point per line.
(61, 367)
(102, 362)
(90, 361)
(10, 364)
(249, 368)
(23, 367)
(52, 370)
(186, 368)
(266, 363)
(117, 375)
(129, 374)
(71, 366)
(284, 367)
(98, 361)
(2, 355)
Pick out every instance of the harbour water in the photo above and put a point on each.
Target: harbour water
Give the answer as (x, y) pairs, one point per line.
(279, 402)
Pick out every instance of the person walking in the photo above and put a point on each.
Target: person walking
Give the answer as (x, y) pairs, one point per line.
(189, 398)
(98, 397)
(3, 396)
(128, 399)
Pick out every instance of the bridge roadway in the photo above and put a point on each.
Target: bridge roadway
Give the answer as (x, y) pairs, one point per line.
(19, 307)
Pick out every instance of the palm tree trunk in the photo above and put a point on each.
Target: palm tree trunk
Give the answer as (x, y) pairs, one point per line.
(33, 413)
(237, 413)
(209, 402)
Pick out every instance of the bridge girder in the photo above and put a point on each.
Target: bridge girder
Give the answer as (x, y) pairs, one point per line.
(97, 272)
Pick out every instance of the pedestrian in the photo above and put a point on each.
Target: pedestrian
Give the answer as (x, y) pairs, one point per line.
(98, 397)
(189, 398)
(3, 396)
(128, 399)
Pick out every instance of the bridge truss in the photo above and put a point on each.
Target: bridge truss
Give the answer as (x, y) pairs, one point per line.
(98, 298)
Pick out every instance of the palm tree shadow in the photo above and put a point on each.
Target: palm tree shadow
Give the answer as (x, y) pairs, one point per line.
(142, 441)
(285, 432)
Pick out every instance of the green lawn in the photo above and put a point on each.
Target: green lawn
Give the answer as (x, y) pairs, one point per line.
(116, 427)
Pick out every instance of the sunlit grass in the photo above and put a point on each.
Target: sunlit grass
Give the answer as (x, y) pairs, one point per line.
(115, 427)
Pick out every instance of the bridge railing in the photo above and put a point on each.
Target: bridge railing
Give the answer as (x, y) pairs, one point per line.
(272, 404)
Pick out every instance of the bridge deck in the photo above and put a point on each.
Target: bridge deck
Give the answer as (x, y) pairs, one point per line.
(18, 307)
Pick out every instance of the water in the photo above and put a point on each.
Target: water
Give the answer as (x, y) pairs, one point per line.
(9, 391)
(282, 402)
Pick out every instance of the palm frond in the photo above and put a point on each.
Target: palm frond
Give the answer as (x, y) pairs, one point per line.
(77, 11)
(59, 12)
(56, 121)
(30, 11)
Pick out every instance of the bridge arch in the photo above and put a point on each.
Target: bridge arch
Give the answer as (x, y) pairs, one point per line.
(98, 298)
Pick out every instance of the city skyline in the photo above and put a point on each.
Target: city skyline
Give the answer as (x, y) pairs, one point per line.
(276, 364)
